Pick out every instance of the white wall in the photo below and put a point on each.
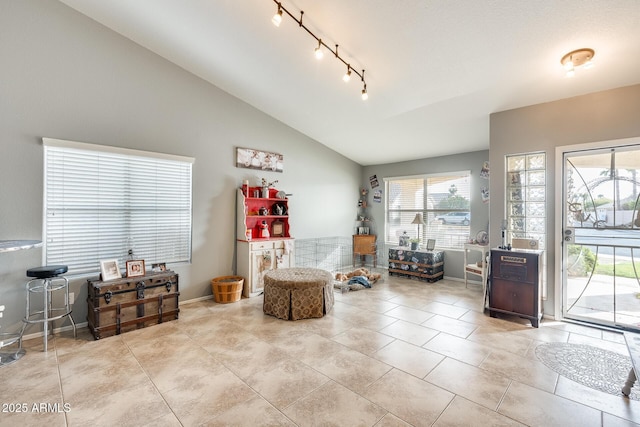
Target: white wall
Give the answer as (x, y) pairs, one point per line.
(65, 76)
(600, 116)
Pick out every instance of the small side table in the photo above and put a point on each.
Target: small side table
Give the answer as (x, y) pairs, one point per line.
(363, 245)
(473, 268)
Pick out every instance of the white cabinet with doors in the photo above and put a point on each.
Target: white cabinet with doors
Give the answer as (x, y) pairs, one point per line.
(256, 258)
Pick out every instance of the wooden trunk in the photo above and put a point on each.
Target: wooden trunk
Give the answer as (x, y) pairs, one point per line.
(122, 305)
(423, 265)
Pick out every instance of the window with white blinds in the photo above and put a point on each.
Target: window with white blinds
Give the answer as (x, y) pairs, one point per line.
(102, 202)
(443, 200)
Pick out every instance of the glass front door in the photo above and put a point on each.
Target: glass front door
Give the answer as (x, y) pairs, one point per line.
(601, 236)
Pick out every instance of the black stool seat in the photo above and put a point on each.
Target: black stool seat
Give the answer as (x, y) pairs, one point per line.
(47, 271)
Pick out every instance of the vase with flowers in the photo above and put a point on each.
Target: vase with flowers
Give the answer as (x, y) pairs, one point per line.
(265, 187)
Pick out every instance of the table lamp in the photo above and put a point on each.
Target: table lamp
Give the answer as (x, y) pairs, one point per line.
(418, 220)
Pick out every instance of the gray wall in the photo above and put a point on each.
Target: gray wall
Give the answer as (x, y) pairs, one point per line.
(459, 162)
(601, 116)
(65, 76)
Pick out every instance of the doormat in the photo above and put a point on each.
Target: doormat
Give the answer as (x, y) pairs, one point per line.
(593, 367)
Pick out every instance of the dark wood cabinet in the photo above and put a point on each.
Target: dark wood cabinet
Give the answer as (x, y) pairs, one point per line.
(516, 284)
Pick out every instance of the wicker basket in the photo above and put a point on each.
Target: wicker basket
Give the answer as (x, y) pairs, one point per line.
(227, 289)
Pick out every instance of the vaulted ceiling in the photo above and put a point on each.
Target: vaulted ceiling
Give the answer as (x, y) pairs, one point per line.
(435, 69)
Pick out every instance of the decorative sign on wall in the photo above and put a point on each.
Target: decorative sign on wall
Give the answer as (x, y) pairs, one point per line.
(484, 173)
(262, 160)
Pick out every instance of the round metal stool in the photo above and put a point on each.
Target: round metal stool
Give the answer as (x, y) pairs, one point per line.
(47, 280)
(6, 340)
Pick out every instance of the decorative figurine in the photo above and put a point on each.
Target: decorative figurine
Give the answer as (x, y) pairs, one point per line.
(264, 230)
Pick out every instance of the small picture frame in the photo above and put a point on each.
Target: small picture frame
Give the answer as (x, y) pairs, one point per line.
(159, 267)
(135, 268)
(109, 270)
(431, 244)
(403, 240)
(277, 229)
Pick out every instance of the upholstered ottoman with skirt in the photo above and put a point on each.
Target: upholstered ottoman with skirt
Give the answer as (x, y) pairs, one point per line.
(298, 293)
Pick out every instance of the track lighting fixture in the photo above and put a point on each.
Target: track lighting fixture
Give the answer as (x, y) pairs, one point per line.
(577, 58)
(277, 19)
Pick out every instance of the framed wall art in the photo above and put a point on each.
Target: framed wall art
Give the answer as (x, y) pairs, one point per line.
(261, 160)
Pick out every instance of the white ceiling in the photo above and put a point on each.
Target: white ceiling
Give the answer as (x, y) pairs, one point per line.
(435, 69)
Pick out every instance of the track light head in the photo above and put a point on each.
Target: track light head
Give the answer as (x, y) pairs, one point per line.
(347, 75)
(318, 51)
(277, 18)
(365, 95)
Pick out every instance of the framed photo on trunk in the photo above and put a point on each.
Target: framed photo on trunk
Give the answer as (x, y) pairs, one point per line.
(109, 270)
(135, 268)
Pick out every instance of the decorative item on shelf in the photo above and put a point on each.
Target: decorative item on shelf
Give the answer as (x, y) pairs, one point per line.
(431, 244)
(277, 228)
(263, 211)
(245, 188)
(482, 238)
(266, 186)
(362, 202)
(264, 229)
(278, 209)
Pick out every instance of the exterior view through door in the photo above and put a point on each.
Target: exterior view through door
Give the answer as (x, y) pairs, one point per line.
(601, 236)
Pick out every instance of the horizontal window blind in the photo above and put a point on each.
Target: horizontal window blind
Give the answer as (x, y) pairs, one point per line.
(442, 199)
(101, 203)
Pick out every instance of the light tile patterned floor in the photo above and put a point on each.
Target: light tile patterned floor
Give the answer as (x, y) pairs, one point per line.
(403, 353)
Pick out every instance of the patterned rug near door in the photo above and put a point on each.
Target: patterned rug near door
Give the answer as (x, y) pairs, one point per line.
(593, 367)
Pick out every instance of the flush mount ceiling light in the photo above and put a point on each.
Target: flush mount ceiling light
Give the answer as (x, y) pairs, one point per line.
(577, 58)
(277, 19)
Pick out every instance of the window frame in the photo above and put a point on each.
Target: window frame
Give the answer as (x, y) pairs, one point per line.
(160, 229)
(429, 230)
